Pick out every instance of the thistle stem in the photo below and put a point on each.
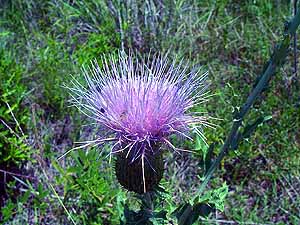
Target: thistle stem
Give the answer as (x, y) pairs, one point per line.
(276, 60)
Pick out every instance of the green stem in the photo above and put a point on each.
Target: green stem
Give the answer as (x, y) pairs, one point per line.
(276, 60)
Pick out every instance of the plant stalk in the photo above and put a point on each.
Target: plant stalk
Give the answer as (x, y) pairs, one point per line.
(276, 60)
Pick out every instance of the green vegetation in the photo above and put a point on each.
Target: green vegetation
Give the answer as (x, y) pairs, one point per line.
(12, 147)
(43, 42)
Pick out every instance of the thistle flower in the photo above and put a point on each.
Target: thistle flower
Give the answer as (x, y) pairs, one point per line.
(142, 102)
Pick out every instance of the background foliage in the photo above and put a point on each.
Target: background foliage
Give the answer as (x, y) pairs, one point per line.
(43, 42)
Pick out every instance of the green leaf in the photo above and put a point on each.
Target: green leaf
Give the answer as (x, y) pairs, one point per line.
(187, 214)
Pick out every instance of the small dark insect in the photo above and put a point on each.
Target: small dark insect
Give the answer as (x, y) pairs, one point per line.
(123, 116)
(102, 110)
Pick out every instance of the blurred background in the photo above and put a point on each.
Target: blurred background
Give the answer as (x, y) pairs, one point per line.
(43, 42)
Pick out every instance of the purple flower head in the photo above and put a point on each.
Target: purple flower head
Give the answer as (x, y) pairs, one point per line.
(142, 101)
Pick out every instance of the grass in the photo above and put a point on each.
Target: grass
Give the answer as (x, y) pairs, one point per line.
(43, 42)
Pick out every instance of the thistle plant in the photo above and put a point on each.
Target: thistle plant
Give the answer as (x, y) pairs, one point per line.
(142, 103)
